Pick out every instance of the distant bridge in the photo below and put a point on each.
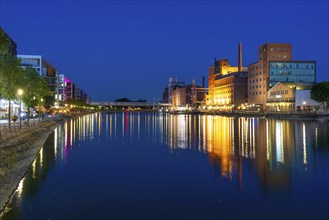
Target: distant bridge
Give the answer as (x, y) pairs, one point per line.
(132, 104)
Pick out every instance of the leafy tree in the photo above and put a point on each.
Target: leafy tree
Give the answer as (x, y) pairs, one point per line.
(4, 43)
(35, 88)
(11, 78)
(320, 93)
(49, 101)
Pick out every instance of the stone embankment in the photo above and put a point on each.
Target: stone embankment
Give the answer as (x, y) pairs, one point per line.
(17, 155)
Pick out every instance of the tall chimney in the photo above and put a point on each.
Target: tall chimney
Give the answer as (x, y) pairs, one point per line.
(240, 57)
(203, 82)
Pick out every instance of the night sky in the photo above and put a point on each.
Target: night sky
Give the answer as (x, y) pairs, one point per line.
(115, 49)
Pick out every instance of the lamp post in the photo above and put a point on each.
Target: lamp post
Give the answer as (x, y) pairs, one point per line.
(40, 107)
(20, 93)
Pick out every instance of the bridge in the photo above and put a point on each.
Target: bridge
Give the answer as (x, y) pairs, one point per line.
(132, 104)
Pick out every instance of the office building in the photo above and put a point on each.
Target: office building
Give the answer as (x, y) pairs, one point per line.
(258, 73)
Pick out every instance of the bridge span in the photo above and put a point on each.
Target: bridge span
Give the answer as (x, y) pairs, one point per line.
(132, 104)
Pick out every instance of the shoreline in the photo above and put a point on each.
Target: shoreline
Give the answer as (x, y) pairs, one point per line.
(270, 115)
(18, 153)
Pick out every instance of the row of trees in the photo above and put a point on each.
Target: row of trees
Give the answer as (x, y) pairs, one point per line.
(13, 77)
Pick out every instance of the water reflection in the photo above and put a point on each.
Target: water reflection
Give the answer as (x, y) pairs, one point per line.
(269, 150)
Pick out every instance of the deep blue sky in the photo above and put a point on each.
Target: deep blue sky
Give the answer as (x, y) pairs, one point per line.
(116, 49)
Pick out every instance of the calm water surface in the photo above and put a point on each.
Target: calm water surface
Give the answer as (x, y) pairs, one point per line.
(151, 166)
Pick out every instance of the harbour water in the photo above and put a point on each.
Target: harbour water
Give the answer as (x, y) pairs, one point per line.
(160, 166)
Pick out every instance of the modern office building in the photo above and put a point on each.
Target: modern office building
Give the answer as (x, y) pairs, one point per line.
(274, 65)
(68, 89)
(11, 48)
(292, 71)
(291, 97)
(227, 84)
(258, 73)
(45, 69)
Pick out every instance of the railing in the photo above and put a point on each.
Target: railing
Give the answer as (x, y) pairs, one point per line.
(7, 133)
(281, 100)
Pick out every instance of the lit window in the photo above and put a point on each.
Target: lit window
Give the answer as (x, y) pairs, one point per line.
(272, 49)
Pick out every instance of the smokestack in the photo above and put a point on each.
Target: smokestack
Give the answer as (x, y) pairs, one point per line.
(203, 82)
(240, 57)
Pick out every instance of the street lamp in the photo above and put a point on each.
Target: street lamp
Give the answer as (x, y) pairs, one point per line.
(20, 93)
(40, 115)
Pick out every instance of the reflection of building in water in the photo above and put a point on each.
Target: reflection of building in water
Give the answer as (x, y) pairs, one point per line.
(220, 147)
(276, 153)
(273, 147)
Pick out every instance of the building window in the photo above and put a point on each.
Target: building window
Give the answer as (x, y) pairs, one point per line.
(279, 49)
(260, 58)
(256, 93)
(285, 56)
(272, 49)
(279, 56)
(285, 49)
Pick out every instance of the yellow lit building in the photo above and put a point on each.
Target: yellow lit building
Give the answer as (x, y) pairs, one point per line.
(227, 84)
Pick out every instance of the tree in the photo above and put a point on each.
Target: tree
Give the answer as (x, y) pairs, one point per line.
(320, 93)
(49, 101)
(11, 78)
(4, 43)
(35, 88)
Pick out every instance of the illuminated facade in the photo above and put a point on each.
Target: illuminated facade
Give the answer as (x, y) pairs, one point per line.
(258, 73)
(45, 69)
(291, 97)
(60, 86)
(178, 96)
(227, 84)
(292, 71)
(229, 91)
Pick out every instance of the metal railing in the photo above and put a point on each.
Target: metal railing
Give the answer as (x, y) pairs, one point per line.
(7, 133)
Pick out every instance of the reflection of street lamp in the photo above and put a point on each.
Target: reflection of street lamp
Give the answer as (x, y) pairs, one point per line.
(304, 104)
(20, 93)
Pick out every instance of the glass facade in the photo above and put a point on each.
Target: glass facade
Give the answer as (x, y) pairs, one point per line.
(293, 71)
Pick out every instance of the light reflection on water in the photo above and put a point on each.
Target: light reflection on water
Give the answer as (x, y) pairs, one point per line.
(276, 150)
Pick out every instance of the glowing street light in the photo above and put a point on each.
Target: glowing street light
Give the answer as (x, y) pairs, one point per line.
(20, 93)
